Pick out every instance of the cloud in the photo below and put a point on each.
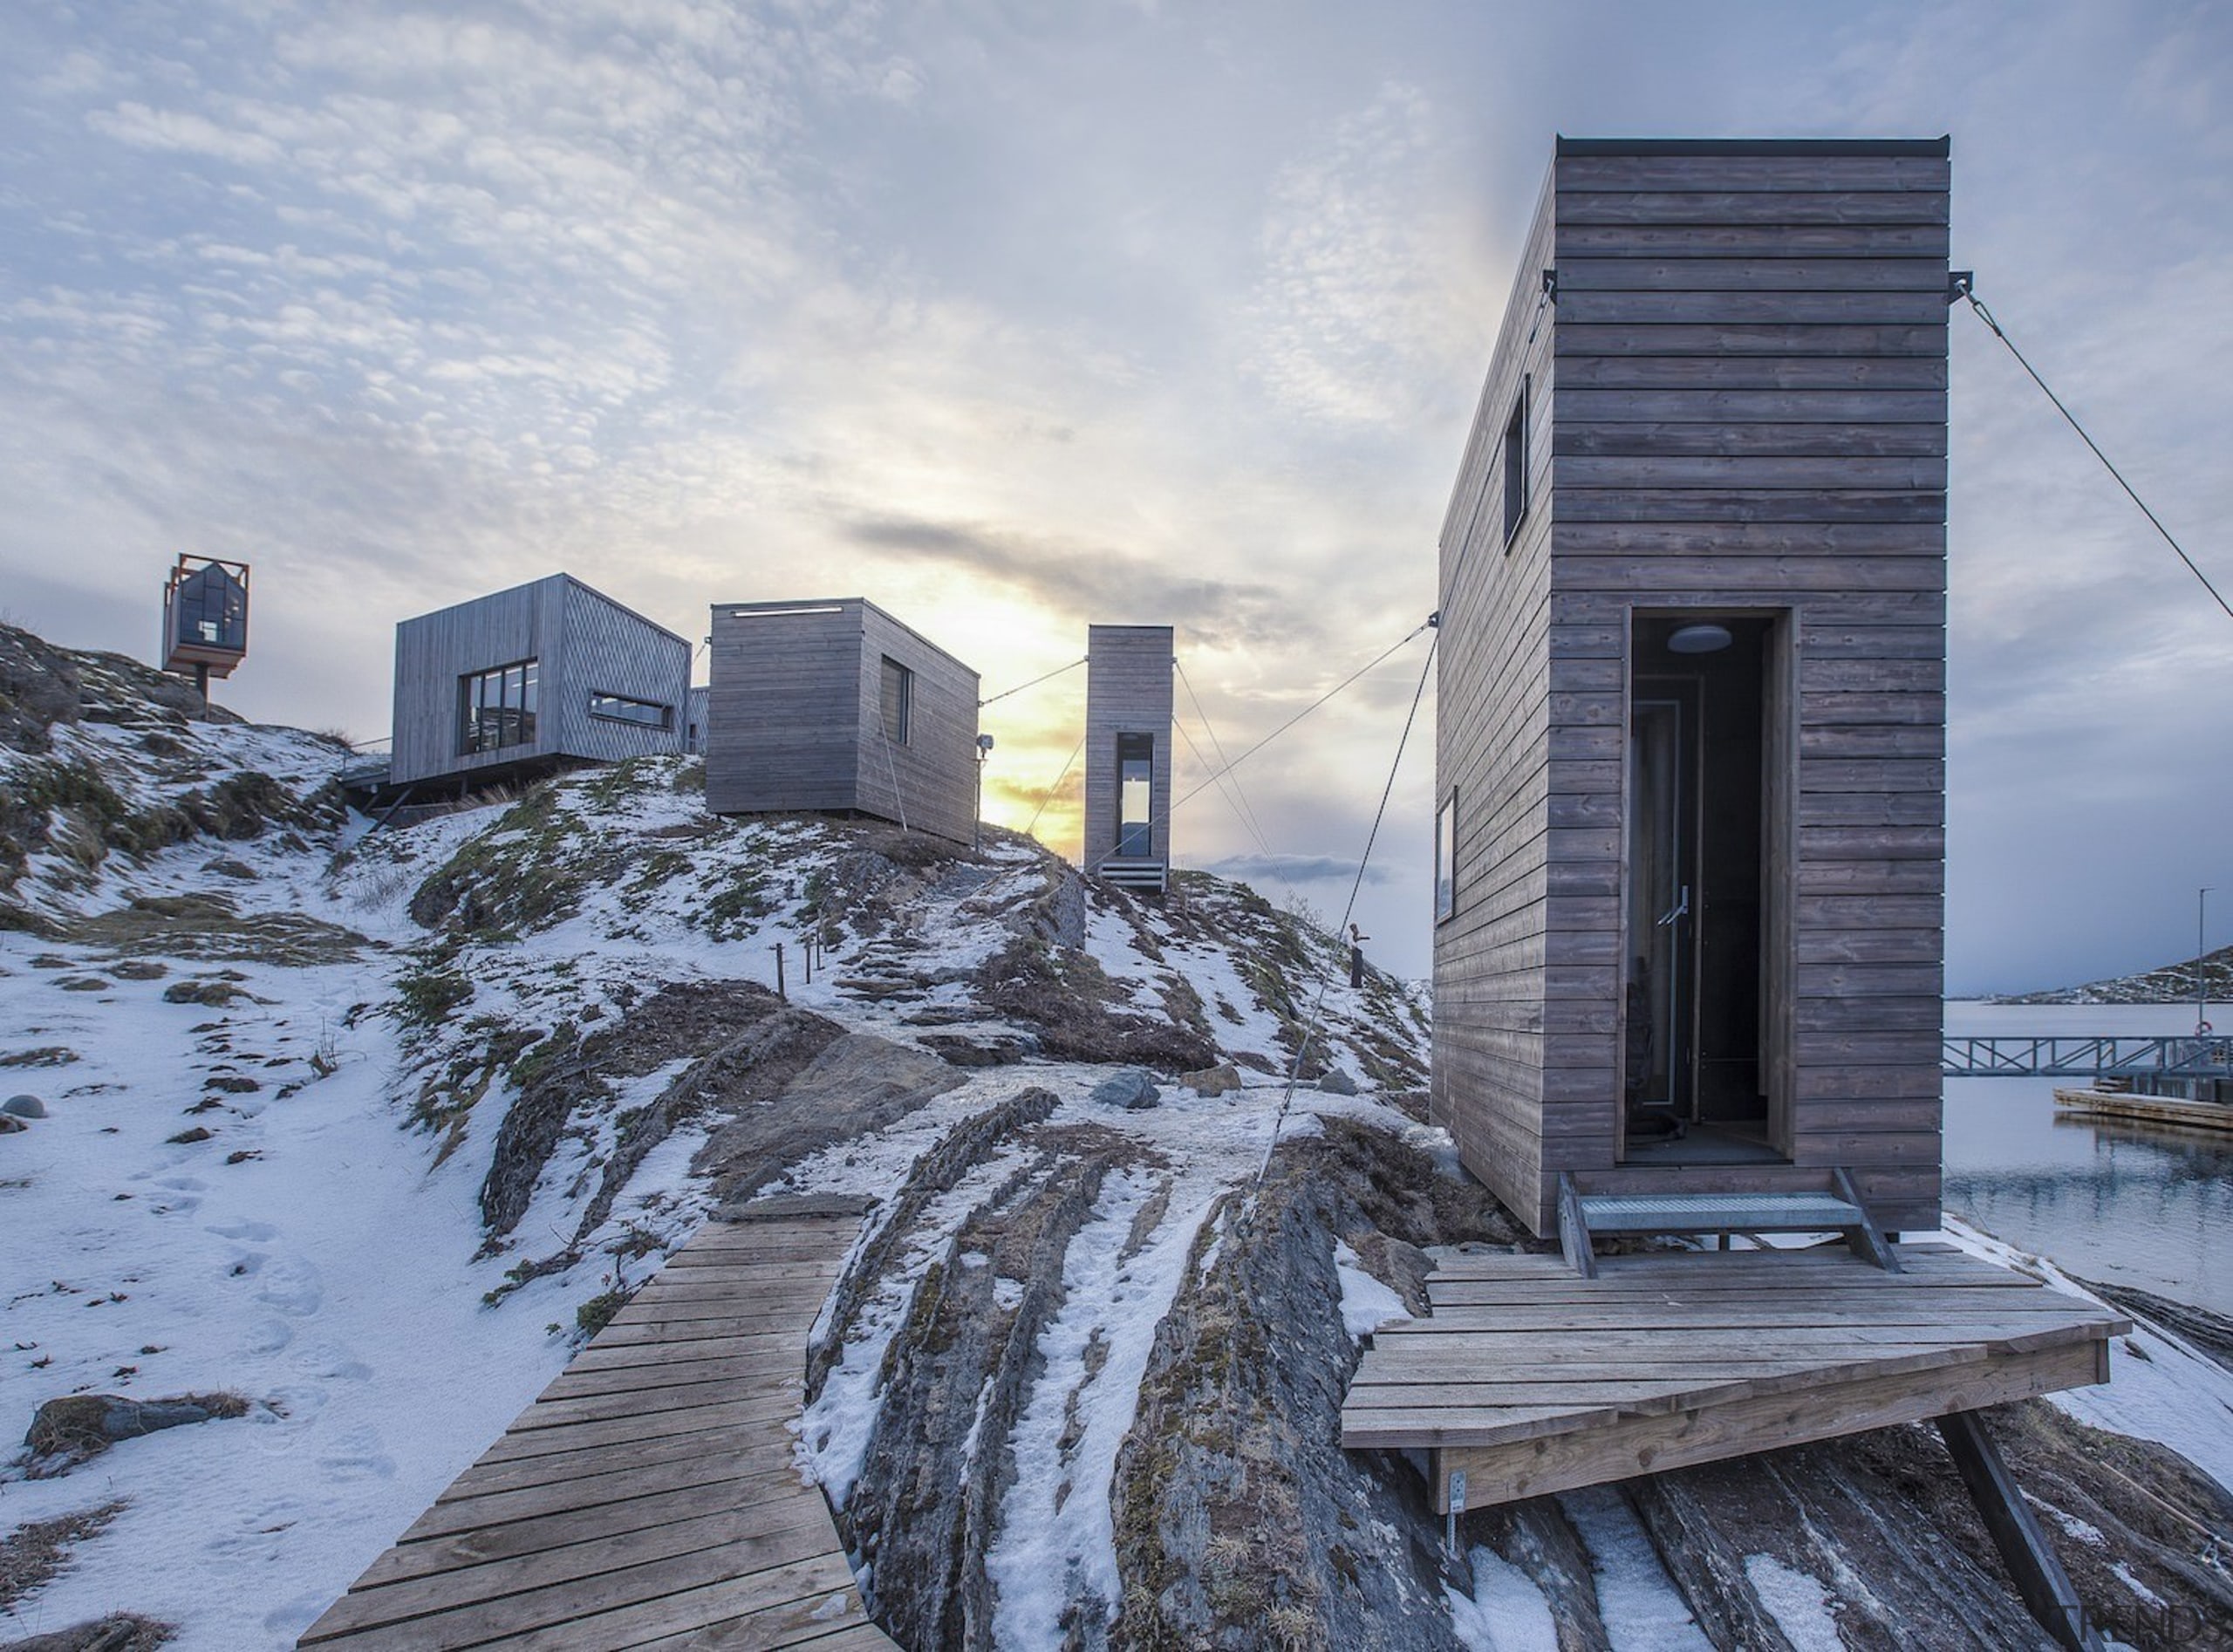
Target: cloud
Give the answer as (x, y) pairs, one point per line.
(1295, 868)
(1088, 583)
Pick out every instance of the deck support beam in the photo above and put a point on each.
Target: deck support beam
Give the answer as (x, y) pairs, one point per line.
(2024, 1547)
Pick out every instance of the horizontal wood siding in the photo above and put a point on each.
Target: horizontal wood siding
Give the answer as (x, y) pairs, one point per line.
(1491, 1047)
(606, 649)
(1128, 690)
(935, 771)
(783, 708)
(1740, 405)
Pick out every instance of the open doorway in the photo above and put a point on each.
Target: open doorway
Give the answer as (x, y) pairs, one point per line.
(1707, 772)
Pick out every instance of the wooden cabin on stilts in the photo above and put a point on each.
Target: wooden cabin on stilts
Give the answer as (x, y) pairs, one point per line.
(1689, 846)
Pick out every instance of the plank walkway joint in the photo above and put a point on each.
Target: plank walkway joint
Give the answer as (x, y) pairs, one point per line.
(648, 1498)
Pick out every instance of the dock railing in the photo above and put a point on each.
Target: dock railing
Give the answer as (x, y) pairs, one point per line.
(2079, 1056)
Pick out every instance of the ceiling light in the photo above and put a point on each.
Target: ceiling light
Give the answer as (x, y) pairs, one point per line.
(1700, 639)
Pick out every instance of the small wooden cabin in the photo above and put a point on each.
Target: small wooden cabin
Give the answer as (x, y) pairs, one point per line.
(205, 618)
(837, 705)
(1128, 702)
(1689, 760)
(525, 680)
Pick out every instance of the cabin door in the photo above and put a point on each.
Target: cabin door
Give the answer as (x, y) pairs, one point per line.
(1703, 899)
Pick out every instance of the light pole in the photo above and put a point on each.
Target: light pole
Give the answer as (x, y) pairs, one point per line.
(2202, 947)
(977, 817)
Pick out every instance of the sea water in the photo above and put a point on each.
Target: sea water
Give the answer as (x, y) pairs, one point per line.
(2117, 1201)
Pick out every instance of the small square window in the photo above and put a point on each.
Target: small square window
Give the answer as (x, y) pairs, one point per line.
(1515, 465)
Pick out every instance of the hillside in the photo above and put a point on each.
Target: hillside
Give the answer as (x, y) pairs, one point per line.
(2165, 984)
(368, 1130)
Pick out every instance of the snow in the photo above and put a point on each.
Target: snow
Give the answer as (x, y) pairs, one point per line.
(1801, 1605)
(1366, 1303)
(1506, 1613)
(2161, 1387)
(1643, 1610)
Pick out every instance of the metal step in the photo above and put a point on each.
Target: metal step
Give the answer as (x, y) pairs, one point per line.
(1718, 1213)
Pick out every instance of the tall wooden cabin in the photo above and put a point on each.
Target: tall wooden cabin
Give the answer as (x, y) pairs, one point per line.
(1127, 723)
(1689, 760)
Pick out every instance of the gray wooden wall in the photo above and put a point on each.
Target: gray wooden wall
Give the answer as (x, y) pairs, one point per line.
(794, 717)
(1128, 690)
(1741, 396)
(583, 641)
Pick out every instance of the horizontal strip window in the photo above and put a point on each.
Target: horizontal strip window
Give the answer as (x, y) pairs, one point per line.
(779, 613)
(619, 708)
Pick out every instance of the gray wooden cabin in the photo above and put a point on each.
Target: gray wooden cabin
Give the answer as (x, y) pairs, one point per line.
(837, 706)
(526, 680)
(1128, 688)
(1691, 746)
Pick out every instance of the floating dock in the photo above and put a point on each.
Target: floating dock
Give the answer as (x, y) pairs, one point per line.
(1527, 1378)
(648, 1498)
(2148, 1109)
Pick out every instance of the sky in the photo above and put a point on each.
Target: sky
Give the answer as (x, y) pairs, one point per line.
(1016, 318)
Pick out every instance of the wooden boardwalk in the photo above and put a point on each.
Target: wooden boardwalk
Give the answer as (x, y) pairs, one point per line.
(647, 1499)
(1527, 1378)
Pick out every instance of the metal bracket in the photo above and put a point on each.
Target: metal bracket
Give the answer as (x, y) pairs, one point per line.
(1455, 1562)
(1960, 284)
(1551, 285)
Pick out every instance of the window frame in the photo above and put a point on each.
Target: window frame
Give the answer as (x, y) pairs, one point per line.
(1445, 860)
(891, 672)
(1512, 454)
(664, 719)
(523, 715)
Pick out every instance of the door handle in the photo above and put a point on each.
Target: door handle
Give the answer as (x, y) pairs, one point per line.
(1681, 908)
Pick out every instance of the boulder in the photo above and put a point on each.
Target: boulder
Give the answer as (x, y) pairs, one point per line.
(67, 1431)
(1130, 1090)
(10, 1125)
(24, 1107)
(1212, 1081)
(215, 993)
(1337, 1082)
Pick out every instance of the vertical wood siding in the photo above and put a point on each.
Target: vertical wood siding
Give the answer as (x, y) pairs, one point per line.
(1741, 406)
(1128, 690)
(582, 642)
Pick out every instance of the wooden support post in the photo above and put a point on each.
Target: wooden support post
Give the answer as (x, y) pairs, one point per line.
(1574, 1230)
(1865, 1241)
(2024, 1547)
(780, 993)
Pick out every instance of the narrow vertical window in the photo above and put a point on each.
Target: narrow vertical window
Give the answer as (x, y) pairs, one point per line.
(1515, 465)
(1136, 795)
(898, 700)
(1445, 860)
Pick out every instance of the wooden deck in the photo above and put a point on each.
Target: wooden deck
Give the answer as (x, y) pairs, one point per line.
(1529, 1379)
(647, 1499)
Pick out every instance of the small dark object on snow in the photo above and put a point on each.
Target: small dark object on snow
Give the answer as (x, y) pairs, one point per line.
(77, 1427)
(187, 1138)
(216, 994)
(24, 1107)
(1212, 1081)
(1130, 1090)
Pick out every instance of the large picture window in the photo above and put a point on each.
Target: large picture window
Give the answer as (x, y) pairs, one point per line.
(620, 709)
(498, 707)
(898, 700)
(1445, 860)
(1515, 465)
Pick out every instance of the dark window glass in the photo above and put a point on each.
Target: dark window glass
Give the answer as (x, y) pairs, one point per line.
(1445, 860)
(1136, 795)
(210, 610)
(620, 708)
(898, 700)
(498, 707)
(1515, 465)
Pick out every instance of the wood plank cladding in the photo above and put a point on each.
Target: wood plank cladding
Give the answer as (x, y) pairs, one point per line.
(1128, 690)
(796, 717)
(583, 643)
(1733, 361)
